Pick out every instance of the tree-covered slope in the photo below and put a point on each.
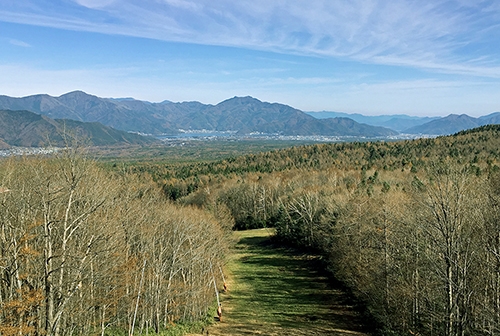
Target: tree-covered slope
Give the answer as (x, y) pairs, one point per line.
(28, 129)
(479, 145)
(410, 227)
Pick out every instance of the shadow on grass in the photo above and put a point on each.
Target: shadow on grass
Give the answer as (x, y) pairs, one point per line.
(289, 290)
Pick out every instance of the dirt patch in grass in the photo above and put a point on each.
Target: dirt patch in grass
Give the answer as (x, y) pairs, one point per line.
(276, 291)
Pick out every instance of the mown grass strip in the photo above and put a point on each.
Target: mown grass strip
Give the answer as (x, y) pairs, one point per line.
(277, 291)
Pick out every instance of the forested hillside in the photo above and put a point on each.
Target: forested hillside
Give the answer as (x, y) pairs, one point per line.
(478, 147)
(84, 251)
(28, 129)
(412, 228)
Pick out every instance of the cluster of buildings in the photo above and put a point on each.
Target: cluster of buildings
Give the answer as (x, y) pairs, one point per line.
(20, 151)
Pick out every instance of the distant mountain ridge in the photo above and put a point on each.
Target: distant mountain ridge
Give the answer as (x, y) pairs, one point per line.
(28, 129)
(418, 125)
(244, 115)
(397, 122)
(454, 123)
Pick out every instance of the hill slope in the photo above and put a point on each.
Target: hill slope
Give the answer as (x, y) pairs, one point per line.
(448, 125)
(28, 129)
(493, 118)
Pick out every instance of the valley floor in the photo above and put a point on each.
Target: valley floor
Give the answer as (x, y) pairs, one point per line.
(274, 291)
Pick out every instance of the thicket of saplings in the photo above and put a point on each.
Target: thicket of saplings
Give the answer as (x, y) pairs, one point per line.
(84, 251)
(412, 228)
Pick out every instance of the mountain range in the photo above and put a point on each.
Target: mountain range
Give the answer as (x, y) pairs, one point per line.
(241, 115)
(454, 123)
(402, 123)
(397, 122)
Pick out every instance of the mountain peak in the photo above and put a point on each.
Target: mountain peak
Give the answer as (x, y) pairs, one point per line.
(241, 100)
(458, 117)
(76, 94)
(450, 124)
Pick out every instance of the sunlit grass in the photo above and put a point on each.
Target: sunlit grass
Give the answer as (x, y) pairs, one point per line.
(276, 291)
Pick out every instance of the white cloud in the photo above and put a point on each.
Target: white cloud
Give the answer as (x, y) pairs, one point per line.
(421, 34)
(19, 43)
(191, 5)
(94, 4)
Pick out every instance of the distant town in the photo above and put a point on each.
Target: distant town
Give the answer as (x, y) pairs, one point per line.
(19, 151)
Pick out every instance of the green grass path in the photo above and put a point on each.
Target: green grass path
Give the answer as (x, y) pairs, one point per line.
(274, 291)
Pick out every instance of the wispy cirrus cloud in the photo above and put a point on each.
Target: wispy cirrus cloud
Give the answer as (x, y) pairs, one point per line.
(19, 43)
(457, 36)
(94, 4)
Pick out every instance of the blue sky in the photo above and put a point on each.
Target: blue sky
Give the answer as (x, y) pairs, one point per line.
(419, 57)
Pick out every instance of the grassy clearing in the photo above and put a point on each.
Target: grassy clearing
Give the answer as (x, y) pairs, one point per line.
(275, 291)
